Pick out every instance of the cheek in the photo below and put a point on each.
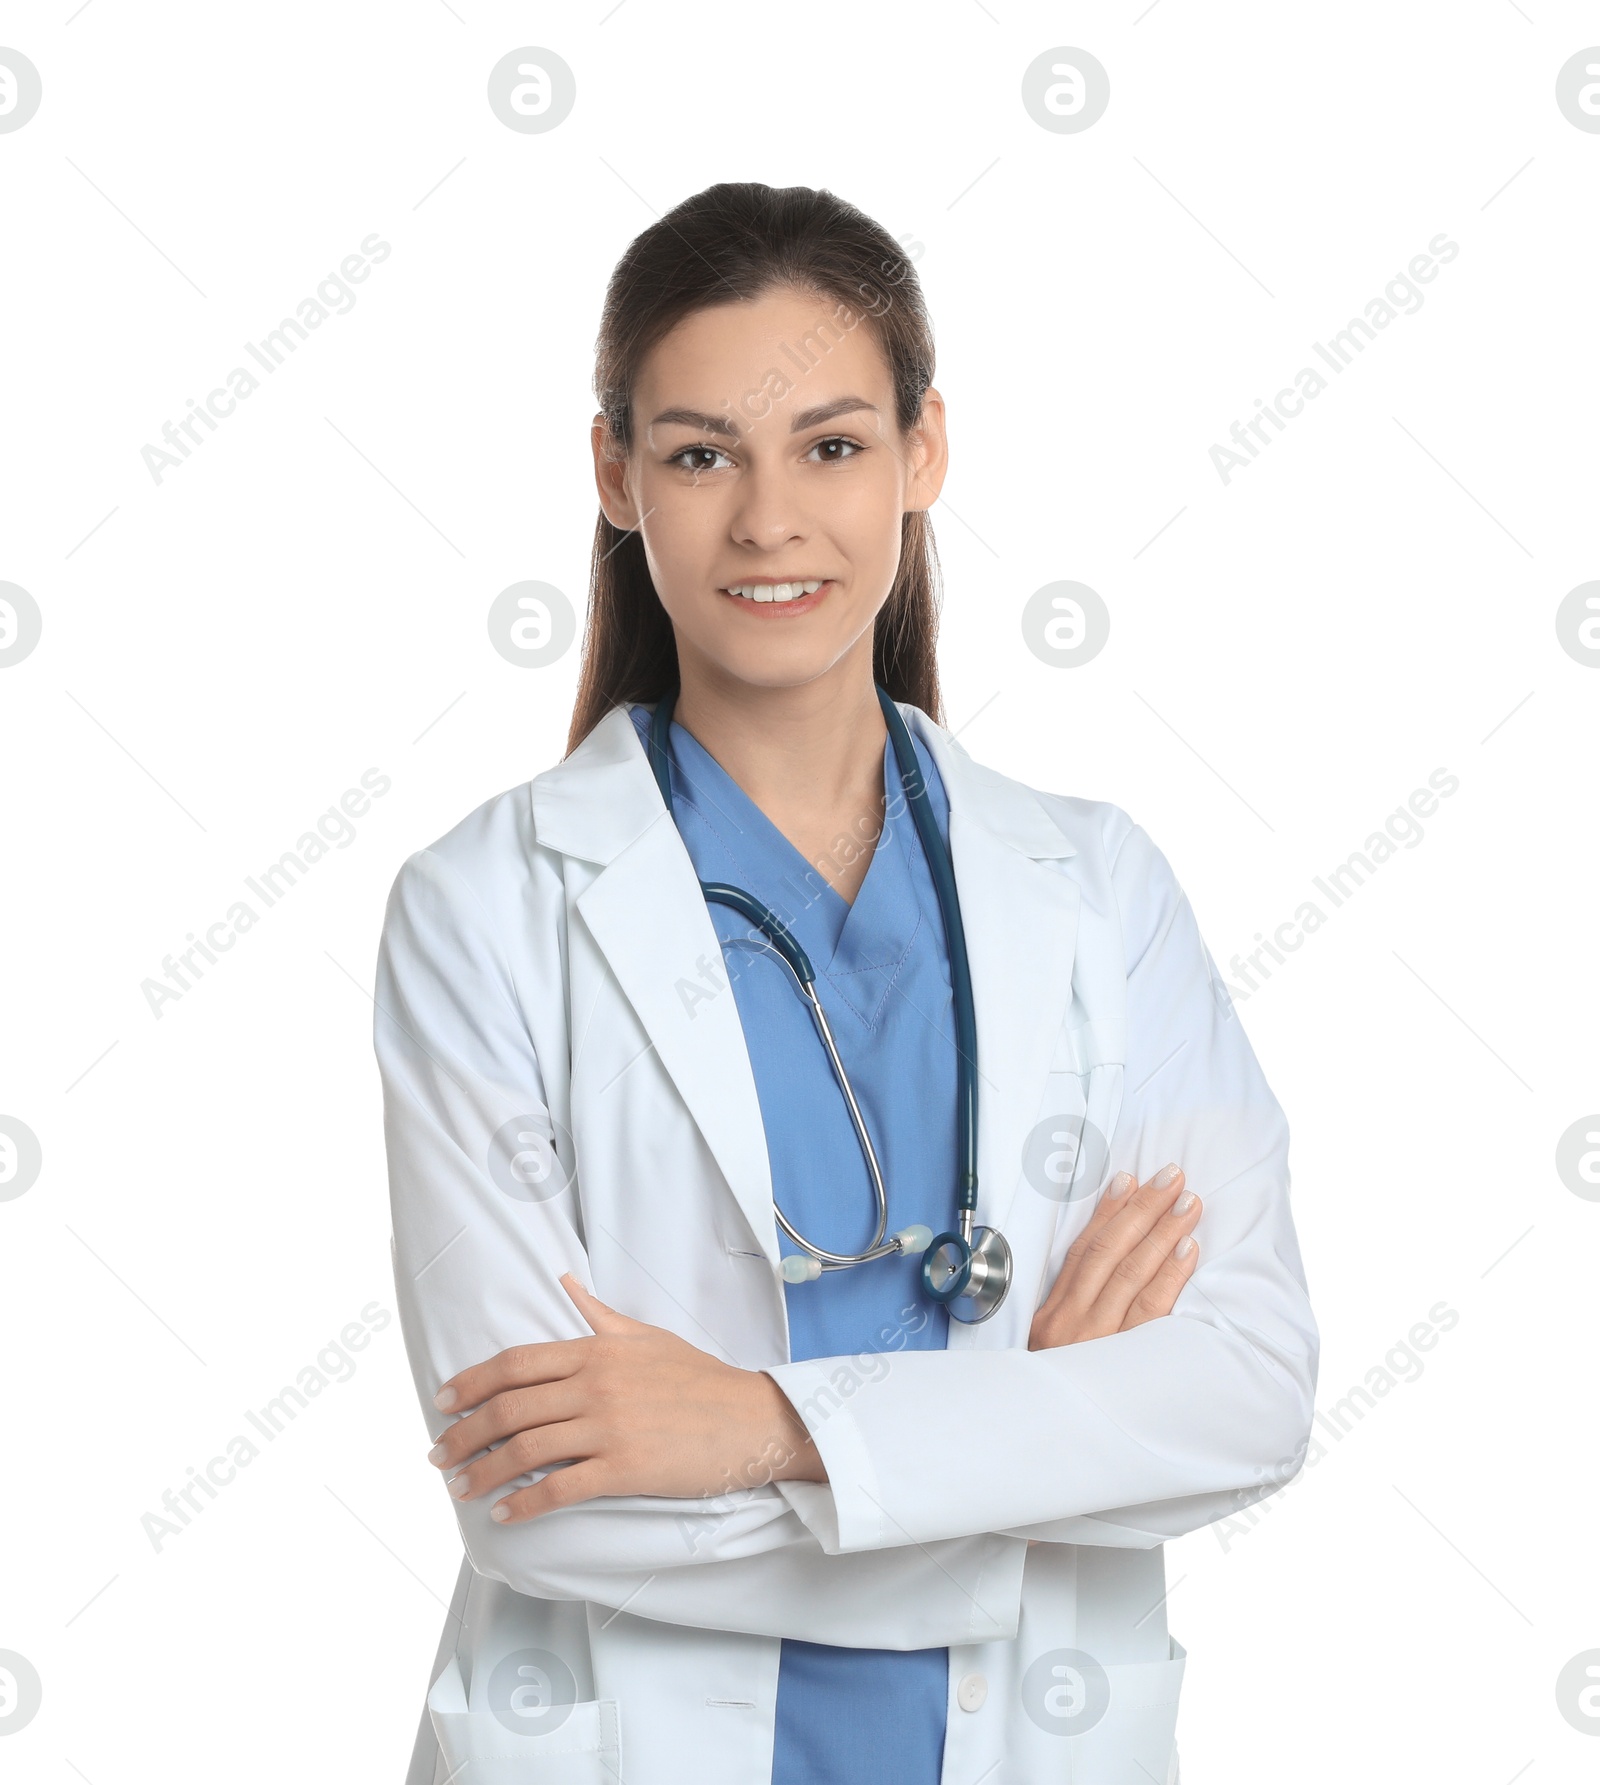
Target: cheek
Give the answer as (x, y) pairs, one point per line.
(679, 541)
(860, 518)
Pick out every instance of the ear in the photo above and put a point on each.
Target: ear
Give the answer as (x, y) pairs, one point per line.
(930, 455)
(610, 480)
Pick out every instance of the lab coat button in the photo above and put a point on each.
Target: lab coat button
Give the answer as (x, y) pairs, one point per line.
(972, 1691)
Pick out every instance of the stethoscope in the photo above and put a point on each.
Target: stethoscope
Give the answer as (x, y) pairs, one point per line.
(969, 1271)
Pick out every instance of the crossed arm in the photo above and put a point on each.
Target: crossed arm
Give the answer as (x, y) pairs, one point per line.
(1149, 1402)
(638, 1410)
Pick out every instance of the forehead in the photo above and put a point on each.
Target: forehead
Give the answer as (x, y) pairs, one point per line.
(791, 349)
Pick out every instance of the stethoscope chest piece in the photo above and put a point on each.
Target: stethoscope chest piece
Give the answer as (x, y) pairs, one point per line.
(971, 1280)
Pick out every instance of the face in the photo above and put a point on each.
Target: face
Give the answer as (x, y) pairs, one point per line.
(751, 474)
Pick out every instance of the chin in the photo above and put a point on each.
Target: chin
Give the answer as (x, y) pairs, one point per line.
(794, 667)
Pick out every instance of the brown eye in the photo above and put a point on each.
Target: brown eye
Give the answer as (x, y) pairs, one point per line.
(686, 454)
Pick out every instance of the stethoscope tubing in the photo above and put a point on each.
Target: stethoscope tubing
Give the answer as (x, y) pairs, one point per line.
(950, 1260)
(795, 958)
(944, 885)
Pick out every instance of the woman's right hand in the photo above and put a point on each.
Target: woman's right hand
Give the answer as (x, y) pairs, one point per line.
(1128, 1264)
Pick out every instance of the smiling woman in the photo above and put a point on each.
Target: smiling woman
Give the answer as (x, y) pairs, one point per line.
(704, 1541)
(727, 355)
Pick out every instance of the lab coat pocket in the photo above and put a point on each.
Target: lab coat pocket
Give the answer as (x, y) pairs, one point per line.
(582, 1744)
(1135, 1741)
(1081, 1045)
(1067, 1155)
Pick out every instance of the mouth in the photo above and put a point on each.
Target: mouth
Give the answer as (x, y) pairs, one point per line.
(768, 598)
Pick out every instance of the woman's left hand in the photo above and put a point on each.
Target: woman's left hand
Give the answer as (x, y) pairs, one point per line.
(633, 1410)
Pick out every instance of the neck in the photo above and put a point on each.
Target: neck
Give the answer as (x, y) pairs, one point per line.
(811, 756)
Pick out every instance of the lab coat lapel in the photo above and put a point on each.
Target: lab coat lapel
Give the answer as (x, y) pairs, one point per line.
(1020, 918)
(648, 918)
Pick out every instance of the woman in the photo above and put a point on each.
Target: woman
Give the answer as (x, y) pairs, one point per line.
(735, 1511)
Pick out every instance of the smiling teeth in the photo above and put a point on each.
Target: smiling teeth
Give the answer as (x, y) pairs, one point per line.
(774, 591)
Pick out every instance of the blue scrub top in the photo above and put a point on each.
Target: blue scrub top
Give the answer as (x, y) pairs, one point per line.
(844, 1716)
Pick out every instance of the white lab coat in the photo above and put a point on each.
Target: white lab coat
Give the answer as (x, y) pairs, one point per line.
(550, 964)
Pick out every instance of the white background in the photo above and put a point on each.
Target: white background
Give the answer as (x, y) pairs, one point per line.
(225, 652)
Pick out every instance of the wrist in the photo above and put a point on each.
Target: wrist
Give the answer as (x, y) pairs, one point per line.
(792, 1454)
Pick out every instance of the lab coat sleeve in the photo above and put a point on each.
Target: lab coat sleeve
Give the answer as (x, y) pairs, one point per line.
(1143, 1435)
(477, 1270)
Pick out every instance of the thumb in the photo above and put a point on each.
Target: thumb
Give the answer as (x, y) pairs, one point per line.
(602, 1317)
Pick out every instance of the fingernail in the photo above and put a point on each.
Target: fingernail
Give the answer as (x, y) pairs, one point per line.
(1165, 1176)
(499, 1512)
(1120, 1184)
(462, 1485)
(1184, 1203)
(1184, 1246)
(437, 1455)
(445, 1399)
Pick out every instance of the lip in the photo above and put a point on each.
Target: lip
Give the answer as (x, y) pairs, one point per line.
(772, 610)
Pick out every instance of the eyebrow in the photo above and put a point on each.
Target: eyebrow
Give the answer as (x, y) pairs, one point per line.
(821, 412)
(694, 418)
(729, 429)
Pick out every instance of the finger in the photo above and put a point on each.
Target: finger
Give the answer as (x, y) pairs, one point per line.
(1138, 1213)
(1148, 1258)
(1111, 1202)
(502, 1416)
(1161, 1292)
(561, 1487)
(535, 1447)
(1111, 1233)
(1106, 1205)
(519, 1367)
(601, 1317)
(1131, 1217)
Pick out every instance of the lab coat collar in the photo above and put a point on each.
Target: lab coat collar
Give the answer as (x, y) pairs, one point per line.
(648, 918)
(600, 799)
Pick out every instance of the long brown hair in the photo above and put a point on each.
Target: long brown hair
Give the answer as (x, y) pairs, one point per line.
(729, 244)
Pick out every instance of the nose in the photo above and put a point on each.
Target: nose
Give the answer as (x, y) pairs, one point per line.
(769, 512)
